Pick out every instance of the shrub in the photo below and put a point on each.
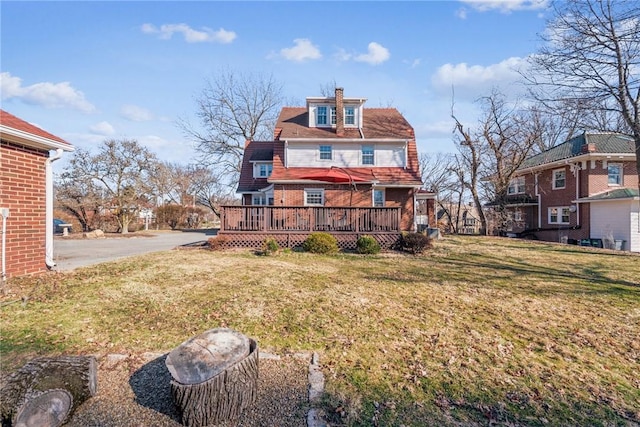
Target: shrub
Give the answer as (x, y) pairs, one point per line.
(270, 246)
(367, 245)
(216, 243)
(321, 243)
(415, 243)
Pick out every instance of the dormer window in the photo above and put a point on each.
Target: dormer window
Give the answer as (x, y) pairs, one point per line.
(349, 116)
(333, 115)
(262, 170)
(321, 115)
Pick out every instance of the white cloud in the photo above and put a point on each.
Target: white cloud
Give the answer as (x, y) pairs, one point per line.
(462, 13)
(376, 54)
(135, 113)
(473, 80)
(102, 128)
(503, 6)
(190, 35)
(302, 51)
(46, 94)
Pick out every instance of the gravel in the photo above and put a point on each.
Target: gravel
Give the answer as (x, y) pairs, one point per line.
(133, 390)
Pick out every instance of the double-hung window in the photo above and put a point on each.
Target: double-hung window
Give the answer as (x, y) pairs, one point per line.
(321, 115)
(325, 152)
(368, 155)
(559, 179)
(349, 116)
(516, 186)
(332, 111)
(614, 171)
(313, 197)
(559, 215)
(263, 170)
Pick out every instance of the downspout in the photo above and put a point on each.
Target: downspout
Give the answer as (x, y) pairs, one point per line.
(577, 169)
(537, 176)
(5, 214)
(48, 245)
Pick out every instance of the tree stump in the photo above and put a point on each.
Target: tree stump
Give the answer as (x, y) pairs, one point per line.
(44, 409)
(76, 375)
(215, 377)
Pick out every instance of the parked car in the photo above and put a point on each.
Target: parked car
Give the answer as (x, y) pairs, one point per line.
(57, 226)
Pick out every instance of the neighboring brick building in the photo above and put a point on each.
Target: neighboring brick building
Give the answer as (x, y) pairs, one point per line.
(26, 195)
(584, 188)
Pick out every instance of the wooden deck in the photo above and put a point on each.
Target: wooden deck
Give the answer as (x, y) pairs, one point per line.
(249, 226)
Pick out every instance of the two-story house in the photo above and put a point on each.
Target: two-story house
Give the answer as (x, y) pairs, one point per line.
(583, 191)
(343, 160)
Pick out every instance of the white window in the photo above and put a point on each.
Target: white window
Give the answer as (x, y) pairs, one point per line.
(559, 179)
(332, 111)
(325, 152)
(349, 116)
(367, 155)
(516, 186)
(262, 170)
(313, 197)
(378, 198)
(517, 215)
(559, 215)
(615, 173)
(259, 199)
(321, 115)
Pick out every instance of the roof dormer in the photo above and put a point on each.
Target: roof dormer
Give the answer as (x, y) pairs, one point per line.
(335, 112)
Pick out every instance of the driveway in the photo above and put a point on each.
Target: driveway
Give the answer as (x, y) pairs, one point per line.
(71, 253)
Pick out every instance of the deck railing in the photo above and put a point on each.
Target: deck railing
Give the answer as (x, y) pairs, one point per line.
(307, 219)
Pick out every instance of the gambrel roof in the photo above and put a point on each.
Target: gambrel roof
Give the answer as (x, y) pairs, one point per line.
(378, 123)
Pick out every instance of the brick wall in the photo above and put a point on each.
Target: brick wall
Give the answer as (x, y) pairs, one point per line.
(23, 191)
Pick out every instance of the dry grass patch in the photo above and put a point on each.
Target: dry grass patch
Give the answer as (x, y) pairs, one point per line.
(477, 331)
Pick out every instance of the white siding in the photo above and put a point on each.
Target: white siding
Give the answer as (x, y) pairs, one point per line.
(618, 219)
(345, 154)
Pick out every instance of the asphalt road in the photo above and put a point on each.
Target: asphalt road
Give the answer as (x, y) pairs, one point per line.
(71, 253)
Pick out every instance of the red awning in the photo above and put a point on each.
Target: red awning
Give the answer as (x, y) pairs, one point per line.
(333, 175)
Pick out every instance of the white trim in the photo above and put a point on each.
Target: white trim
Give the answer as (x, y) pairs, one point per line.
(27, 138)
(320, 190)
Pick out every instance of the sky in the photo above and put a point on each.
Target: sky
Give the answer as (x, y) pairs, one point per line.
(88, 71)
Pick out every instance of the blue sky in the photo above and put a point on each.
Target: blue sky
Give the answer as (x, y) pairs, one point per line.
(87, 71)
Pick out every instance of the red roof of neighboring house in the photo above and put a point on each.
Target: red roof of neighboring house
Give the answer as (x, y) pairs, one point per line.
(384, 123)
(13, 122)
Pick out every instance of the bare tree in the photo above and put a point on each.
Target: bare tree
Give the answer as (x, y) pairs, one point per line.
(79, 196)
(209, 190)
(233, 108)
(440, 174)
(503, 139)
(121, 171)
(592, 59)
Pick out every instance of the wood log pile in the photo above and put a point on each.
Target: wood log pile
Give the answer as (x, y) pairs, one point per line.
(214, 377)
(46, 391)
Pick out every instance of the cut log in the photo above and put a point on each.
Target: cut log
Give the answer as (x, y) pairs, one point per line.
(44, 409)
(75, 374)
(215, 377)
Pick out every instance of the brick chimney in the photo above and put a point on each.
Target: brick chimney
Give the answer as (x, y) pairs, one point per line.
(588, 148)
(339, 111)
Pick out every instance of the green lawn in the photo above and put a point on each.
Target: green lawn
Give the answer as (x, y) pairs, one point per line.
(477, 331)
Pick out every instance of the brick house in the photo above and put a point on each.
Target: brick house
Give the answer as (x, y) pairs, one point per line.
(342, 159)
(583, 191)
(26, 195)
